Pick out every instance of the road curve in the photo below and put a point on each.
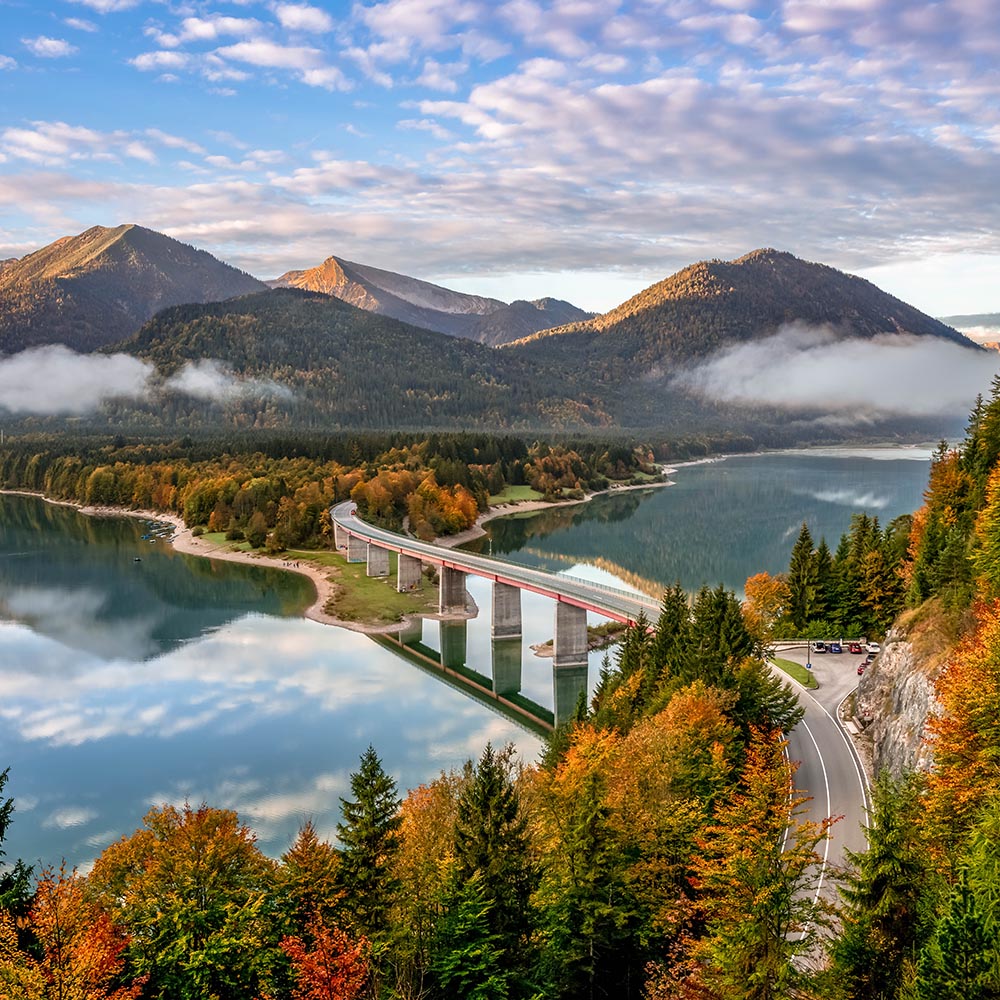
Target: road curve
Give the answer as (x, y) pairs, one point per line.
(619, 605)
(830, 771)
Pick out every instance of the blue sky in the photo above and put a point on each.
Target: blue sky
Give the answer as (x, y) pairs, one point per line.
(577, 148)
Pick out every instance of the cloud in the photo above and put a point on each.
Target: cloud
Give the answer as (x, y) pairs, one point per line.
(48, 48)
(7, 63)
(70, 816)
(80, 24)
(213, 380)
(302, 17)
(54, 379)
(810, 369)
(108, 6)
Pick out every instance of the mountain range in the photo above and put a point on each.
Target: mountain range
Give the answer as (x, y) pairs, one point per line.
(357, 345)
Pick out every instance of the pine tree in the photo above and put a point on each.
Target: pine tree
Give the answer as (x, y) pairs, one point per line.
(370, 838)
(491, 839)
(960, 960)
(15, 883)
(802, 580)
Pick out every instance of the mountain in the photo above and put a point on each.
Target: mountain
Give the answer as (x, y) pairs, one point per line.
(340, 366)
(521, 319)
(714, 304)
(420, 303)
(96, 288)
(974, 321)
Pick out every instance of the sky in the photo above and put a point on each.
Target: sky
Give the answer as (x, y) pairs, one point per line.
(517, 148)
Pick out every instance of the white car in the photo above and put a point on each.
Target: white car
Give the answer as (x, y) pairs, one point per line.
(872, 647)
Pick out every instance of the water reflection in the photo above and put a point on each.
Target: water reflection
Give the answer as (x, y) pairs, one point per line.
(720, 521)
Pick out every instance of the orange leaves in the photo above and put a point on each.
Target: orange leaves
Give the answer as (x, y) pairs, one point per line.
(330, 966)
(82, 952)
(767, 599)
(966, 735)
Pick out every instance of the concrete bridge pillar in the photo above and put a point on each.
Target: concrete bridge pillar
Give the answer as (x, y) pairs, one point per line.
(454, 636)
(408, 573)
(506, 611)
(357, 549)
(378, 560)
(569, 665)
(451, 594)
(506, 656)
(570, 636)
(339, 536)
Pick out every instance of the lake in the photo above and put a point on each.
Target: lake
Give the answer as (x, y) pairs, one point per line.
(129, 684)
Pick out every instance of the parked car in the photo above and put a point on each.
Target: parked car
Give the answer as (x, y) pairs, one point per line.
(854, 647)
(819, 647)
(873, 647)
(835, 647)
(870, 657)
(861, 668)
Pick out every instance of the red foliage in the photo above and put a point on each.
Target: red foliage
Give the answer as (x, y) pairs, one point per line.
(334, 968)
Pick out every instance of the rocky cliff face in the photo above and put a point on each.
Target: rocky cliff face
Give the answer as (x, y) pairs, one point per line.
(895, 697)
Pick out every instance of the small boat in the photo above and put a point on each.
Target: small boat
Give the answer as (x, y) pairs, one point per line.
(136, 559)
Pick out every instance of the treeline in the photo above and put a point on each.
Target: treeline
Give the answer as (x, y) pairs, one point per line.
(439, 482)
(615, 867)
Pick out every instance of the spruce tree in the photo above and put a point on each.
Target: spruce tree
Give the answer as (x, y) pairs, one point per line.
(15, 883)
(491, 839)
(802, 580)
(370, 838)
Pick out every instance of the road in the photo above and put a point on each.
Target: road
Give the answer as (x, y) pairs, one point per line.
(830, 771)
(620, 605)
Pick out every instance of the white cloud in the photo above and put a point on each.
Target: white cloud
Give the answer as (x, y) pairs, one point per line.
(174, 141)
(70, 816)
(214, 380)
(147, 61)
(302, 17)
(271, 55)
(48, 48)
(55, 379)
(811, 369)
(327, 77)
(108, 6)
(7, 63)
(80, 24)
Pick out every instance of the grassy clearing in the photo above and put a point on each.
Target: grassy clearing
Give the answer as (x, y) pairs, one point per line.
(515, 494)
(371, 599)
(796, 671)
(219, 538)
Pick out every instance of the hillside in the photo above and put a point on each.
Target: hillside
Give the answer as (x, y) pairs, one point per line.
(423, 304)
(521, 319)
(348, 367)
(98, 287)
(713, 304)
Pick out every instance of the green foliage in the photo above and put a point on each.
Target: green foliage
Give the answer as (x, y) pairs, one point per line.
(468, 962)
(369, 835)
(887, 895)
(491, 839)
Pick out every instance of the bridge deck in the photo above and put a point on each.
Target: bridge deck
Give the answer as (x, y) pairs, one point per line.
(619, 605)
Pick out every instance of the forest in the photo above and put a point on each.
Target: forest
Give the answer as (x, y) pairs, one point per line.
(279, 496)
(652, 852)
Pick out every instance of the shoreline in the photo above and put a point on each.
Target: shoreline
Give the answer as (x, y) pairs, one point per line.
(323, 578)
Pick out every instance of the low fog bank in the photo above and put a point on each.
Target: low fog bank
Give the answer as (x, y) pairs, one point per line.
(56, 380)
(812, 369)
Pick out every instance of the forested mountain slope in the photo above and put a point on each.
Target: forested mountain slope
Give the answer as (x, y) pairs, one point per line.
(93, 289)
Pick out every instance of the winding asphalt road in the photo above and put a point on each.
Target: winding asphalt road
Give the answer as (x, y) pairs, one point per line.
(830, 771)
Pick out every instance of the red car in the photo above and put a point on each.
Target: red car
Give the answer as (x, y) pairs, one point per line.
(861, 668)
(854, 647)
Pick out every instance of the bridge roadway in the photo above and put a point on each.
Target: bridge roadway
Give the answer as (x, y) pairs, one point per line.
(619, 605)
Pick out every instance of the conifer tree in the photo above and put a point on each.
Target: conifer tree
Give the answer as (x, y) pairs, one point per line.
(369, 834)
(491, 839)
(802, 580)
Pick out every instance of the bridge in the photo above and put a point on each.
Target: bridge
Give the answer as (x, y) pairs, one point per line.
(573, 599)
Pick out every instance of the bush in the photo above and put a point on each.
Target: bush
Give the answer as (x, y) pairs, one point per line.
(197, 531)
